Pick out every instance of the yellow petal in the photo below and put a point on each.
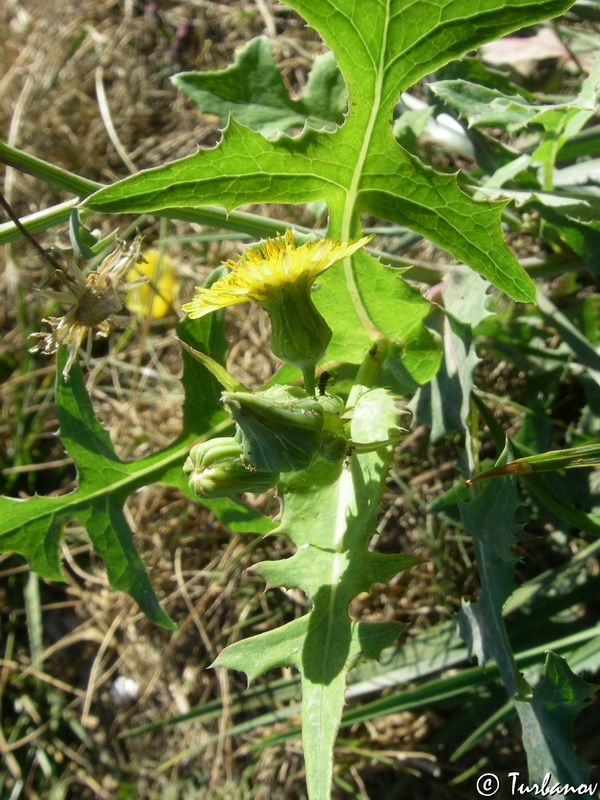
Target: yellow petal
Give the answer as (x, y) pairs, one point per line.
(155, 298)
(270, 267)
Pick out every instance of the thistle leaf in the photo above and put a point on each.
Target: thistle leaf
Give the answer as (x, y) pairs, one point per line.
(33, 527)
(329, 513)
(359, 168)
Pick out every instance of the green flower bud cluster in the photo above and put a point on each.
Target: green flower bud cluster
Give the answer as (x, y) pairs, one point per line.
(216, 469)
(279, 429)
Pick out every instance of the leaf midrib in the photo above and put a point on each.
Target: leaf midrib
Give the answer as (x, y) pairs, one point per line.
(353, 191)
(71, 502)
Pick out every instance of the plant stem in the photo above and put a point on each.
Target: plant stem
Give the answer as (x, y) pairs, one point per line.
(309, 379)
(47, 256)
(24, 162)
(368, 370)
(37, 222)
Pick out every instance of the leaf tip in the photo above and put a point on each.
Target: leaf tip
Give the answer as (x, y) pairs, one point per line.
(220, 662)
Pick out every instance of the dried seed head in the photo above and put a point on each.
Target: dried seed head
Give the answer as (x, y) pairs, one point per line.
(95, 299)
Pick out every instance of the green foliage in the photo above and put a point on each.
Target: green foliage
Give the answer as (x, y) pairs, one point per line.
(253, 92)
(547, 722)
(558, 201)
(329, 513)
(489, 518)
(330, 459)
(33, 527)
(360, 168)
(548, 710)
(444, 402)
(281, 426)
(573, 457)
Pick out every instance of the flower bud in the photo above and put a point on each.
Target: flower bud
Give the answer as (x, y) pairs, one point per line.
(299, 335)
(280, 428)
(216, 469)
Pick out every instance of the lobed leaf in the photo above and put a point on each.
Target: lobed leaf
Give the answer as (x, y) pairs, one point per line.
(33, 527)
(482, 106)
(253, 92)
(547, 723)
(329, 512)
(359, 168)
(485, 107)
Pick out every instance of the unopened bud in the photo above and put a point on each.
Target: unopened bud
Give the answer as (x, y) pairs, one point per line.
(216, 469)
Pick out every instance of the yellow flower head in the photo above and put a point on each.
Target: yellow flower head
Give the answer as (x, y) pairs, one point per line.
(279, 276)
(268, 269)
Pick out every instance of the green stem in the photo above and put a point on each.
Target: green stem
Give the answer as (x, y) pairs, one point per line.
(253, 225)
(37, 222)
(213, 216)
(23, 230)
(368, 370)
(308, 373)
(24, 162)
(239, 221)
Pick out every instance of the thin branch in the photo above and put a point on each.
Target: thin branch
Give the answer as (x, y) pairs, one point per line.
(26, 235)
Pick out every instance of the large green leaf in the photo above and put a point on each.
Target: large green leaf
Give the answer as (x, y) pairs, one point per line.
(33, 527)
(359, 168)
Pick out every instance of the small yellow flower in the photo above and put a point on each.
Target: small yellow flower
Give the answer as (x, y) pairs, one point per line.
(94, 299)
(152, 299)
(271, 267)
(279, 276)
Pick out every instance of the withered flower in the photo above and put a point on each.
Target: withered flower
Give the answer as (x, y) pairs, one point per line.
(94, 300)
